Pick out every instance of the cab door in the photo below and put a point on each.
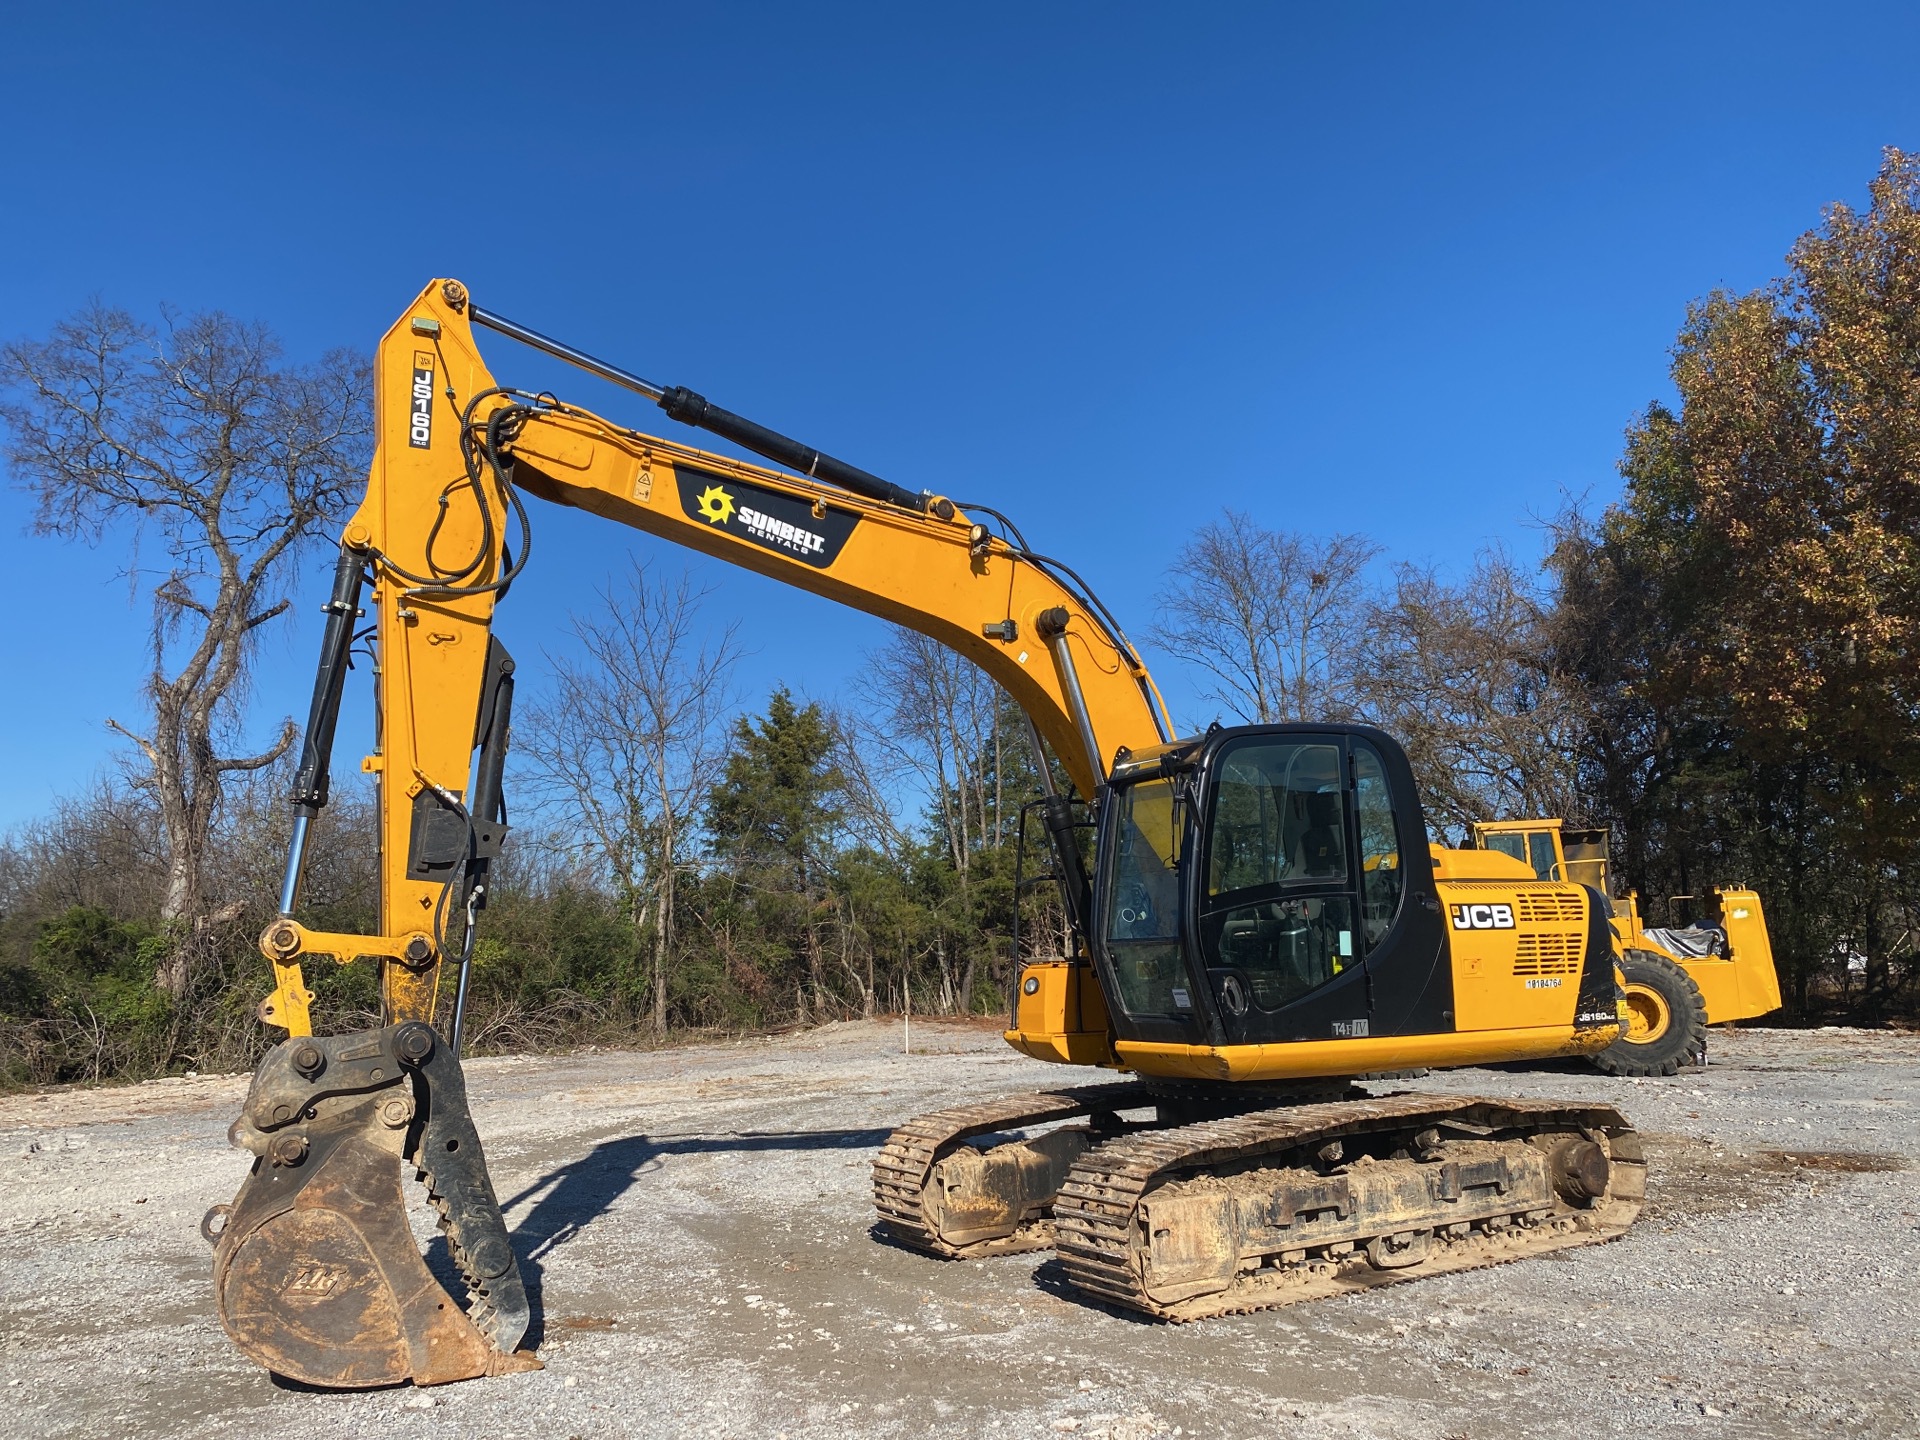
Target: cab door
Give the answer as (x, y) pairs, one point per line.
(1309, 921)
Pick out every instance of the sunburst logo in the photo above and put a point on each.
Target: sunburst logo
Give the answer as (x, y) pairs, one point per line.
(716, 505)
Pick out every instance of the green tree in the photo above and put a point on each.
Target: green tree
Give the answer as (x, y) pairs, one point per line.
(1748, 614)
(771, 823)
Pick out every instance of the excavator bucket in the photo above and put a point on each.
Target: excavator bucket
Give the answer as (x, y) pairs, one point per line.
(316, 1273)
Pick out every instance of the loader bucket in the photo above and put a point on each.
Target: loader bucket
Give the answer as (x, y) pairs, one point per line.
(316, 1274)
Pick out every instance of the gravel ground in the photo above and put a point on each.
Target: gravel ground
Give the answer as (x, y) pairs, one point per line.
(1772, 1288)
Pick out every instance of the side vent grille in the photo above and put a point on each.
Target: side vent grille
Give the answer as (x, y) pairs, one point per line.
(1548, 954)
(1549, 907)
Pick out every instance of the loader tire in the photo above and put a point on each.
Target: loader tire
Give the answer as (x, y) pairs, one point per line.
(1667, 1023)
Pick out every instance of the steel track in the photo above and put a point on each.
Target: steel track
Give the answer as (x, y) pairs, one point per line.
(1096, 1214)
(905, 1163)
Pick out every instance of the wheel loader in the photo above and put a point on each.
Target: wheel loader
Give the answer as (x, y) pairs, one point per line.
(1678, 980)
(1262, 923)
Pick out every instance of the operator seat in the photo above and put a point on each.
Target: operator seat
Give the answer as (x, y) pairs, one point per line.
(1321, 850)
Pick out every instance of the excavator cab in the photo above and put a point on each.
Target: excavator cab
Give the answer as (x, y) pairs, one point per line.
(1252, 889)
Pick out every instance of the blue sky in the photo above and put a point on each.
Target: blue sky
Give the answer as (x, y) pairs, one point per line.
(1403, 270)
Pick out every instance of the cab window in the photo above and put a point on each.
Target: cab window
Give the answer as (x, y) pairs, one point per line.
(1277, 818)
(1508, 842)
(1381, 878)
(1540, 848)
(1532, 848)
(1279, 904)
(1143, 902)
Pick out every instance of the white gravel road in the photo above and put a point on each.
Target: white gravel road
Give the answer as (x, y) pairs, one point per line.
(695, 1224)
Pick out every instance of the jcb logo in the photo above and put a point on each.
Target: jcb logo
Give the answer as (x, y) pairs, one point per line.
(420, 421)
(1482, 917)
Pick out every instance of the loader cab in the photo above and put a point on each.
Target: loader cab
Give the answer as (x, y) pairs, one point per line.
(1551, 850)
(1267, 884)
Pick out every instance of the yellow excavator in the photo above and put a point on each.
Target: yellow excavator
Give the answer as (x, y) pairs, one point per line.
(1678, 980)
(1262, 924)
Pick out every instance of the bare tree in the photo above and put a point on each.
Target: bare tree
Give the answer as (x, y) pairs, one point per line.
(196, 432)
(1272, 616)
(935, 716)
(1466, 677)
(96, 849)
(629, 741)
(933, 721)
(862, 753)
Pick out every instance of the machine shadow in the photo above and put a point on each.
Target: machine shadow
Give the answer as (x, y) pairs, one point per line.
(579, 1192)
(1051, 1276)
(1563, 1065)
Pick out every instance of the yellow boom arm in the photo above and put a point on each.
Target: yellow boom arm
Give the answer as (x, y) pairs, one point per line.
(431, 537)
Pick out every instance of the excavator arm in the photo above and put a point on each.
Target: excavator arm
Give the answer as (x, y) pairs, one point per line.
(316, 1274)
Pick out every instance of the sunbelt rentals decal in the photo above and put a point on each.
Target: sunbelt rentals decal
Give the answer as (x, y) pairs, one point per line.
(811, 532)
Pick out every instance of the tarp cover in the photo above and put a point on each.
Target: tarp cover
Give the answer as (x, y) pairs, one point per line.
(1696, 941)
